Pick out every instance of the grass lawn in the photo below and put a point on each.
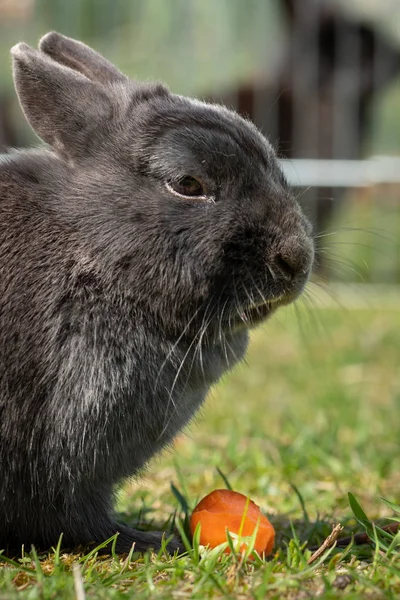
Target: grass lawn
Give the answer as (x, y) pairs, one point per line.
(312, 416)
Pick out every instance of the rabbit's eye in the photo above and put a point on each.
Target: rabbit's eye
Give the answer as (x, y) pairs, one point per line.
(187, 186)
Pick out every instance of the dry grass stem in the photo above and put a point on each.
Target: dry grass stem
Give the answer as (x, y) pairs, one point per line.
(329, 541)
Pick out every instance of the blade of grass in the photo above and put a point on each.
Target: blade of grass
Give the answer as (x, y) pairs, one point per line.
(358, 512)
(57, 554)
(302, 503)
(39, 571)
(85, 559)
(181, 499)
(392, 505)
(224, 479)
(17, 565)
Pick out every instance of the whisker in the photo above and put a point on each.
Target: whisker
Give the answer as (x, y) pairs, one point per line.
(300, 194)
(378, 232)
(199, 335)
(172, 350)
(221, 336)
(271, 272)
(170, 394)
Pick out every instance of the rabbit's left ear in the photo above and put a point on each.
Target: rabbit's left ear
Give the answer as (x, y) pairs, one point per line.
(81, 58)
(61, 105)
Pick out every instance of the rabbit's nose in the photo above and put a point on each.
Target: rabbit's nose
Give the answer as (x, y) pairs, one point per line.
(294, 259)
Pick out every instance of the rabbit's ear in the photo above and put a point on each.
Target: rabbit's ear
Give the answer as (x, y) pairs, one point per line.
(80, 57)
(61, 105)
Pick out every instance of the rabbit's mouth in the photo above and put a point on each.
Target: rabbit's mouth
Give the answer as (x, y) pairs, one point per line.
(253, 315)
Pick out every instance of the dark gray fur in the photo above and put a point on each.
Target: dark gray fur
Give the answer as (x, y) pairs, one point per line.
(121, 303)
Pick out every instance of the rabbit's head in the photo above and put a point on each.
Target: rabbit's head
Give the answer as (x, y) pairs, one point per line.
(180, 204)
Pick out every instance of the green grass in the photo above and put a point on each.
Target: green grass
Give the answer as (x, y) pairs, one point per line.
(363, 242)
(312, 416)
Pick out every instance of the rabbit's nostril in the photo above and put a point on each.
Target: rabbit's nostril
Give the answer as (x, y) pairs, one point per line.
(288, 265)
(294, 260)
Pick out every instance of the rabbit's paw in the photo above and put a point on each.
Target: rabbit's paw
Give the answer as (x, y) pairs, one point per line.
(146, 540)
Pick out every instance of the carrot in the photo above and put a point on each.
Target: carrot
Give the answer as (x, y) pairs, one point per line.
(225, 510)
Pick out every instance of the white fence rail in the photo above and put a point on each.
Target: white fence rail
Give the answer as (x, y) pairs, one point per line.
(342, 173)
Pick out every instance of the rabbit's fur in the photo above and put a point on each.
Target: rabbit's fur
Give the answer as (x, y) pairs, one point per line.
(121, 300)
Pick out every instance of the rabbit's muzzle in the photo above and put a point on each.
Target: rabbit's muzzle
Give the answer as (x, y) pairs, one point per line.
(274, 273)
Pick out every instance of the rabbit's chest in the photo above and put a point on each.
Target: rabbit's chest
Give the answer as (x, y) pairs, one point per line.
(150, 401)
(123, 391)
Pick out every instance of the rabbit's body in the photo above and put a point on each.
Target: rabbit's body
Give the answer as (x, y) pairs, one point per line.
(122, 299)
(94, 393)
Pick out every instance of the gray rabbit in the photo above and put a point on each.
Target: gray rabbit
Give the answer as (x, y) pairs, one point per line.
(136, 251)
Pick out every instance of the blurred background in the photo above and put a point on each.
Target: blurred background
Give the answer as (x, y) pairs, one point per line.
(321, 78)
